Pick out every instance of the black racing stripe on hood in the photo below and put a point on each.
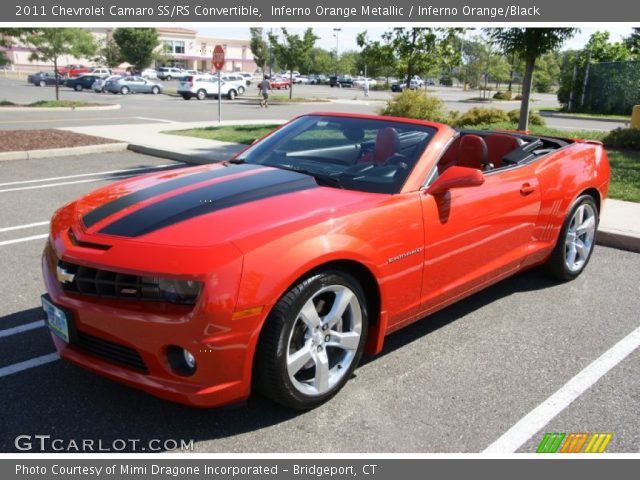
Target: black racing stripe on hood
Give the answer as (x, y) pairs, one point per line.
(114, 206)
(209, 199)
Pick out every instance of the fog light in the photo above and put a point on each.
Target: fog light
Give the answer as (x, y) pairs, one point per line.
(190, 359)
(181, 361)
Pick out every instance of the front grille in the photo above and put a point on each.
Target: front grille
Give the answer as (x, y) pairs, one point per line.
(110, 351)
(105, 283)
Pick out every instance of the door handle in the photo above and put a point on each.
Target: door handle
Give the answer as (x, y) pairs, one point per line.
(526, 189)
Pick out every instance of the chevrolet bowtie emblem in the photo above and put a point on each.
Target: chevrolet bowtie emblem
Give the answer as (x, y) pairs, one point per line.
(63, 276)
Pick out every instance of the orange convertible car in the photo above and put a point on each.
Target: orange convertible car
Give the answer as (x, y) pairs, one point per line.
(279, 268)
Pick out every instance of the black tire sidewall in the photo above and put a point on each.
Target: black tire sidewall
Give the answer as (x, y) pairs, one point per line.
(556, 263)
(287, 392)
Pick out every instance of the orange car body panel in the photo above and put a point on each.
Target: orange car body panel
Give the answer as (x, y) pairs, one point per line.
(423, 251)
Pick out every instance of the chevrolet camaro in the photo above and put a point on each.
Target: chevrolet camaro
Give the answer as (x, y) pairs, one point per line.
(276, 270)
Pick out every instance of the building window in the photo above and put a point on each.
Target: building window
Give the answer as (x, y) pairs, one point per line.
(175, 46)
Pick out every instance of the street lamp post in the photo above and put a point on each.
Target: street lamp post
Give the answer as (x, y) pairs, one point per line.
(337, 35)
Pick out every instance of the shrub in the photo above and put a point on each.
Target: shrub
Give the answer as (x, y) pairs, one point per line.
(534, 118)
(481, 115)
(623, 138)
(518, 97)
(503, 95)
(416, 104)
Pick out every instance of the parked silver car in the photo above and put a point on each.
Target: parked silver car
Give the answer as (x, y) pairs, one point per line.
(132, 84)
(99, 84)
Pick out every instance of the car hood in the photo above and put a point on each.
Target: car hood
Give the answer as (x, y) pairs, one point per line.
(206, 206)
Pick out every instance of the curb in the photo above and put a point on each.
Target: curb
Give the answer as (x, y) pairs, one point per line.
(621, 241)
(115, 106)
(577, 117)
(63, 152)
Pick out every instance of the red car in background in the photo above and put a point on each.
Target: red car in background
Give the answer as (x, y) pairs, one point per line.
(280, 83)
(277, 269)
(73, 70)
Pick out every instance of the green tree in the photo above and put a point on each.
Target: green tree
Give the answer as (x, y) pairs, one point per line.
(6, 38)
(137, 45)
(529, 44)
(349, 62)
(415, 49)
(109, 53)
(601, 49)
(377, 56)
(292, 50)
(319, 61)
(633, 42)
(259, 48)
(50, 44)
(547, 73)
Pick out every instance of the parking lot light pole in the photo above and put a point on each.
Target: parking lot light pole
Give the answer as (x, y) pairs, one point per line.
(337, 35)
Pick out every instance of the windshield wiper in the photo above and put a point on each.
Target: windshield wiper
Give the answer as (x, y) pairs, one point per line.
(321, 178)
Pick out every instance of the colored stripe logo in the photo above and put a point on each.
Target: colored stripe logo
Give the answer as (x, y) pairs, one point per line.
(574, 442)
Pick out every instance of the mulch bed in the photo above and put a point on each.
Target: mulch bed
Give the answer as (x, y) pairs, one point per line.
(23, 140)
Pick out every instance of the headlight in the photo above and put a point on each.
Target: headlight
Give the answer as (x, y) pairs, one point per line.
(174, 291)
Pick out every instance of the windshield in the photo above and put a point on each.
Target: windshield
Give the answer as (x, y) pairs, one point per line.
(353, 153)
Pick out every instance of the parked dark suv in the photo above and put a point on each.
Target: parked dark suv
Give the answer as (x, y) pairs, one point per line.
(81, 82)
(341, 81)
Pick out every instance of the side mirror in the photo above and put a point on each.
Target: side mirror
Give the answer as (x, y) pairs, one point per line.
(456, 177)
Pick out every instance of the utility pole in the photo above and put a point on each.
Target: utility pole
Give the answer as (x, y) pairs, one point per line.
(337, 35)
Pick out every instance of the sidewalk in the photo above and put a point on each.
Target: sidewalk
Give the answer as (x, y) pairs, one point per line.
(148, 138)
(619, 223)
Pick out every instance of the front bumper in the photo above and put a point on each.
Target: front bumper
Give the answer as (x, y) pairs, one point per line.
(223, 347)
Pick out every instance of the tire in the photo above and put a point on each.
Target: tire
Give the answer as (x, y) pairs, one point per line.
(155, 90)
(42, 83)
(168, 78)
(201, 94)
(240, 90)
(186, 96)
(124, 90)
(77, 87)
(232, 95)
(299, 363)
(575, 241)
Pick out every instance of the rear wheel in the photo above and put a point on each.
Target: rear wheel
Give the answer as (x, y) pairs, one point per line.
(232, 94)
(42, 83)
(240, 90)
(201, 94)
(124, 90)
(77, 87)
(155, 90)
(168, 77)
(576, 240)
(312, 340)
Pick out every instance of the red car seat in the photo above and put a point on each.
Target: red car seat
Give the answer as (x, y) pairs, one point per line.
(472, 152)
(386, 146)
(499, 145)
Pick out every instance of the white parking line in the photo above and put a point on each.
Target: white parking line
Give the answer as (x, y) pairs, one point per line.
(535, 420)
(20, 227)
(106, 172)
(26, 365)
(60, 184)
(23, 239)
(21, 328)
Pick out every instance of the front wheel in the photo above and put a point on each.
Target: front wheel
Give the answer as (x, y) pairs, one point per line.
(78, 87)
(312, 340)
(231, 94)
(576, 240)
(124, 90)
(240, 90)
(42, 83)
(155, 90)
(186, 96)
(201, 94)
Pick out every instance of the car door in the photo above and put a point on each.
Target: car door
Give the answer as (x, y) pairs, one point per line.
(477, 235)
(138, 84)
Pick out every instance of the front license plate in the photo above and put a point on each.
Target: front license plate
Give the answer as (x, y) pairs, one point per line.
(56, 320)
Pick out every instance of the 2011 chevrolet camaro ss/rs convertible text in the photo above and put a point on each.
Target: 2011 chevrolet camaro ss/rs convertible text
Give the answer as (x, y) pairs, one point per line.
(277, 269)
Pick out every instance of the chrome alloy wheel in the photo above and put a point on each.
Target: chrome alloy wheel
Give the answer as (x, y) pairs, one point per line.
(580, 236)
(324, 340)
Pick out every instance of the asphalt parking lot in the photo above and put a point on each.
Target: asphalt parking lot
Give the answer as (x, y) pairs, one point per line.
(454, 382)
(141, 108)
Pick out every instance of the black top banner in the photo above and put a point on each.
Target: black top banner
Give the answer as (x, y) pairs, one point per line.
(330, 11)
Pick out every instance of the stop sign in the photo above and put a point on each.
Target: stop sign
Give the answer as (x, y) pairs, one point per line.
(218, 57)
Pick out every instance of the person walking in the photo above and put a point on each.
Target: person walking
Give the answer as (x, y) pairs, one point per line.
(365, 87)
(264, 87)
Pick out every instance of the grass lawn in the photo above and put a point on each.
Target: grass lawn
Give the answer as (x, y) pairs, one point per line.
(285, 98)
(625, 175)
(244, 134)
(622, 118)
(53, 104)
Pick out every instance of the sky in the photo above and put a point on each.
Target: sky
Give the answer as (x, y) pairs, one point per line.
(347, 35)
